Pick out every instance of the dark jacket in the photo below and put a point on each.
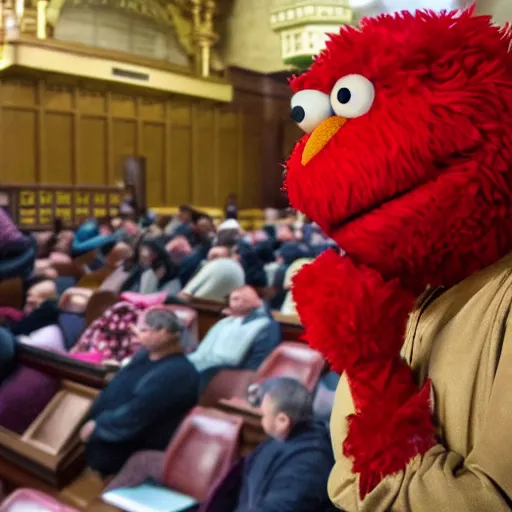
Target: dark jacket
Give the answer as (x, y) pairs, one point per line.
(278, 476)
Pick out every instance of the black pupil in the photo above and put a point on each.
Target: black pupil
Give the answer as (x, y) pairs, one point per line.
(344, 95)
(298, 114)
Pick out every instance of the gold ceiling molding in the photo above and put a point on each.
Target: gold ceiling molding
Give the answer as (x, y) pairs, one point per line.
(55, 58)
(159, 11)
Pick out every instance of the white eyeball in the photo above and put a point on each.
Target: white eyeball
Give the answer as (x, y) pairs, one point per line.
(309, 108)
(352, 96)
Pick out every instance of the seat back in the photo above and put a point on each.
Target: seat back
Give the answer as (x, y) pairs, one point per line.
(11, 293)
(99, 302)
(27, 500)
(204, 448)
(294, 360)
(75, 300)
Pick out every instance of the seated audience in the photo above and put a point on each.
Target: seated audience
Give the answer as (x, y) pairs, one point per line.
(128, 206)
(17, 251)
(242, 340)
(154, 272)
(141, 408)
(182, 224)
(217, 278)
(40, 310)
(289, 471)
(231, 208)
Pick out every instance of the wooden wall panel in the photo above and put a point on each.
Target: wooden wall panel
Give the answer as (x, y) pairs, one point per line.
(179, 170)
(205, 159)
(58, 149)
(153, 148)
(197, 152)
(92, 152)
(123, 144)
(18, 146)
(228, 155)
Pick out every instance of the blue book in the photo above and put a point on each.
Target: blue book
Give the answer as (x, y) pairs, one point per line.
(148, 497)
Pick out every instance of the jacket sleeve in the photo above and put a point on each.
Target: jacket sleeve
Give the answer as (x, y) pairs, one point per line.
(440, 479)
(149, 401)
(300, 486)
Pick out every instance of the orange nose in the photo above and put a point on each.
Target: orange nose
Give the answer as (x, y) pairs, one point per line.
(320, 136)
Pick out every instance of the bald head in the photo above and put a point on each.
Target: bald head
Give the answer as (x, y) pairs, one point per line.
(39, 293)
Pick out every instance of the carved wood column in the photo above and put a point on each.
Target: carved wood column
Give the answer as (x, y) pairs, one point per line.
(203, 33)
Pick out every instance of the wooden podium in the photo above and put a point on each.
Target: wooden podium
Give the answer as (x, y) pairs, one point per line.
(49, 454)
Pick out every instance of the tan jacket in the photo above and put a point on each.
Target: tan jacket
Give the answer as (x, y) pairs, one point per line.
(463, 342)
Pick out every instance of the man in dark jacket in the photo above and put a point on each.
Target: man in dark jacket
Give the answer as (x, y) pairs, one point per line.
(289, 471)
(142, 407)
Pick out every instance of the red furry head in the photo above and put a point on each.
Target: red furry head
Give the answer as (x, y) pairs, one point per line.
(407, 159)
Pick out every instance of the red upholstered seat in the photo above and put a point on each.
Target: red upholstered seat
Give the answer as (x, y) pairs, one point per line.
(23, 498)
(75, 300)
(289, 359)
(295, 360)
(204, 448)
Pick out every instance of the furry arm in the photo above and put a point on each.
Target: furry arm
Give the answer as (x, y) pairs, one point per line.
(358, 320)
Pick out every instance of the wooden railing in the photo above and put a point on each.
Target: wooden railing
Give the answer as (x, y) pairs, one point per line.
(34, 207)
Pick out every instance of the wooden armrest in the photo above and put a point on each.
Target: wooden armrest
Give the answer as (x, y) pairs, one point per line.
(240, 406)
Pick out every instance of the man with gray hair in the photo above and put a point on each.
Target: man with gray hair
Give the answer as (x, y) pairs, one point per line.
(141, 408)
(289, 471)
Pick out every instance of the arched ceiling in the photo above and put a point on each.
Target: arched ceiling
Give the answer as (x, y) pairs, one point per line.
(165, 12)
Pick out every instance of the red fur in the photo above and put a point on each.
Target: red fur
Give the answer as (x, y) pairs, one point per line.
(425, 178)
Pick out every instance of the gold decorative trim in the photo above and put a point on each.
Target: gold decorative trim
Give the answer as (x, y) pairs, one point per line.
(44, 56)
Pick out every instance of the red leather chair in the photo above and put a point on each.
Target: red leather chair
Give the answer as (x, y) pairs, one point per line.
(295, 360)
(289, 359)
(202, 451)
(75, 300)
(22, 498)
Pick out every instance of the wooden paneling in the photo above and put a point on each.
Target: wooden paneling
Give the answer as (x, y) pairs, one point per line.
(92, 151)
(18, 146)
(58, 149)
(196, 151)
(153, 137)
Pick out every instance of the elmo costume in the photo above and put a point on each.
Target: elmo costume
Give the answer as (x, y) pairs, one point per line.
(407, 164)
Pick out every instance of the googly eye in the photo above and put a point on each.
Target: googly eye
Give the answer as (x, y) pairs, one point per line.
(352, 96)
(309, 108)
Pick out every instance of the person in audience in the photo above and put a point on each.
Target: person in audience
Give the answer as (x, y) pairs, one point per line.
(217, 278)
(242, 340)
(289, 471)
(17, 251)
(254, 269)
(155, 271)
(141, 408)
(128, 206)
(7, 353)
(231, 208)
(182, 224)
(40, 310)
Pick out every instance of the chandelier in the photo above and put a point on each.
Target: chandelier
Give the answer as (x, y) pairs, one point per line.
(304, 27)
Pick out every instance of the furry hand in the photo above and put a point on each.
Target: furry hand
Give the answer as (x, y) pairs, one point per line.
(357, 320)
(350, 314)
